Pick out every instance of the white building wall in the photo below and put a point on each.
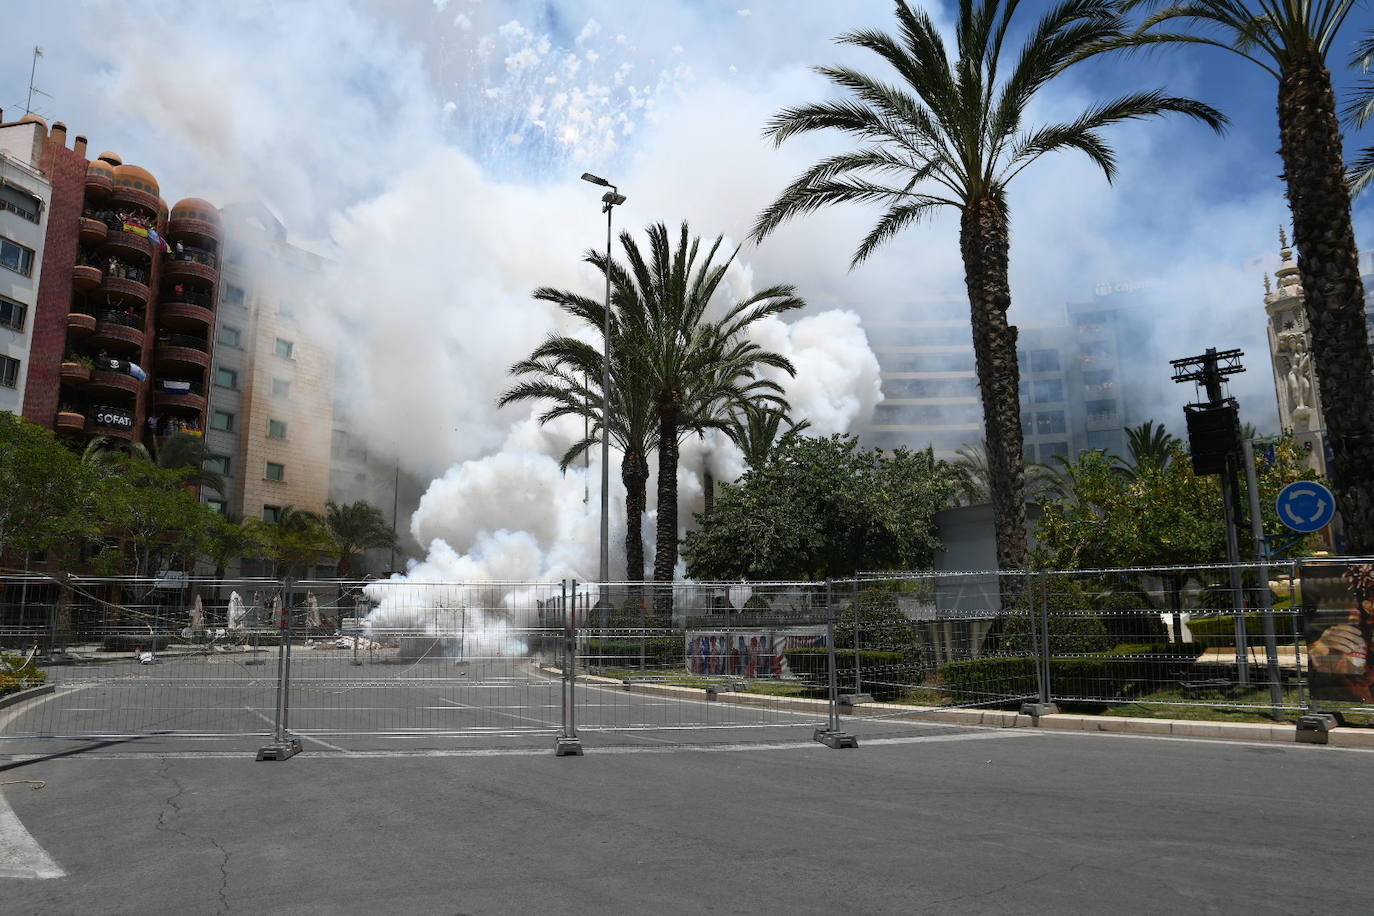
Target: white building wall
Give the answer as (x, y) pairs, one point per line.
(16, 144)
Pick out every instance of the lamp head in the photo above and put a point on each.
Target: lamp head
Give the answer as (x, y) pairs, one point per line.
(612, 199)
(589, 177)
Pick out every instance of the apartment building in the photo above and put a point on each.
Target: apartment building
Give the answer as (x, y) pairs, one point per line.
(25, 196)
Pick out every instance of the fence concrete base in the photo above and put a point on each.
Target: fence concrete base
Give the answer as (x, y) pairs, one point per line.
(32, 693)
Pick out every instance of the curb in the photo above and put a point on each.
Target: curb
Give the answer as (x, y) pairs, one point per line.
(996, 718)
(14, 699)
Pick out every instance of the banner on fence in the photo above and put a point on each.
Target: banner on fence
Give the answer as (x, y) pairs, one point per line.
(748, 653)
(1338, 613)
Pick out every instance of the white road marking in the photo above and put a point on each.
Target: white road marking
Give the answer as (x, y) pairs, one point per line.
(20, 854)
(269, 721)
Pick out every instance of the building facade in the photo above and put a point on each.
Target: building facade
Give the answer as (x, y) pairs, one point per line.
(120, 344)
(25, 199)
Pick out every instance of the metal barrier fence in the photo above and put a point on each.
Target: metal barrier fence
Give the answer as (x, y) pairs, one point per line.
(372, 664)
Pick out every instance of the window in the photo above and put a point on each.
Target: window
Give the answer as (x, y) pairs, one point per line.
(1050, 449)
(271, 514)
(1044, 360)
(12, 314)
(234, 295)
(281, 388)
(284, 348)
(226, 378)
(9, 372)
(16, 257)
(286, 309)
(216, 505)
(1047, 391)
(276, 471)
(218, 464)
(222, 419)
(20, 203)
(276, 429)
(230, 337)
(1049, 423)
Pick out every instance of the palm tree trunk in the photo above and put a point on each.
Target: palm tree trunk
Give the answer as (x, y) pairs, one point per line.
(665, 542)
(634, 472)
(708, 490)
(984, 243)
(1328, 262)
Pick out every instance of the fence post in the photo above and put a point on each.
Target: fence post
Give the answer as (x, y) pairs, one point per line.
(1040, 641)
(283, 746)
(568, 744)
(830, 735)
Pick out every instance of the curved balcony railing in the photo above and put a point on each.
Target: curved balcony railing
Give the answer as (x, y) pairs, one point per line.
(196, 255)
(128, 319)
(69, 420)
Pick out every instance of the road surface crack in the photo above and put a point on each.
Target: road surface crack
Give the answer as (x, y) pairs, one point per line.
(171, 806)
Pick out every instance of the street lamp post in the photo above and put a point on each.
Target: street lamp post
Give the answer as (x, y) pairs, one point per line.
(609, 200)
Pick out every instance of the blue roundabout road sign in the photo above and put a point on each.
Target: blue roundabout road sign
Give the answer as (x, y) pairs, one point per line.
(1306, 506)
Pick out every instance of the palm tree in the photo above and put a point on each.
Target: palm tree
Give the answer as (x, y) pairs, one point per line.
(180, 450)
(1290, 39)
(952, 134)
(695, 367)
(1149, 446)
(758, 431)
(1359, 111)
(566, 372)
(973, 476)
(353, 528)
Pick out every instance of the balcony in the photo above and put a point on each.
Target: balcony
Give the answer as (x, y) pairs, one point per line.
(181, 353)
(110, 420)
(1103, 419)
(69, 421)
(126, 283)
(170, 394)
(79, 324)
(92, 231)
(123, 243)
(118, 329)
(125, 194)
(186, 227)
(74, 372)
(113, 382)
(99, 179)
(185, 316)
(86, 277)
(191, 263)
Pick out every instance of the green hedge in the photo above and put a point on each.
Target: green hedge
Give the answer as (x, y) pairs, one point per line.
(1221, 631)
(659, 651)
(1125, 671)
(885, 674)
(17, 674)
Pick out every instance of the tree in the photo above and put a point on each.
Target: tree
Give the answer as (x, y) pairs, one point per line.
(295, 541)
(975, 476)
(757, 430)
(43, 489)
(953, 135)
(818, 508)
(566, 372)
(353, 528)
(151, 518)
(1290, 39)
(180, 451)
(1149, 446)
(692, 363)
(1358, 113)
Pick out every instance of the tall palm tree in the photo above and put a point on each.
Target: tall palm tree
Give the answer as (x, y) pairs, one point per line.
(1290, 39)
(952, 134)
(566, 372)
(1359, 111)
(691, 361)
(1149, 445)
(353, 528)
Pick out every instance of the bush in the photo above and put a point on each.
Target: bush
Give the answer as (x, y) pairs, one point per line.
(1126, 671)
(885, 674)
(18, 673)
(1221, 631)
(659, 652)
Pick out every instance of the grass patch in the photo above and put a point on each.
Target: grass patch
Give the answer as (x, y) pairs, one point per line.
(1204, 706)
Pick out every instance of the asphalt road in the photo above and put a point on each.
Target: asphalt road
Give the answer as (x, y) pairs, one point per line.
(947, 821)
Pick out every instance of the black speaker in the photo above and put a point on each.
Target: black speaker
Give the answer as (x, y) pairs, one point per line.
(1213, 435)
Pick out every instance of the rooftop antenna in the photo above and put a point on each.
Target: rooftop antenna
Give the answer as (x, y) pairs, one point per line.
(33, 70)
